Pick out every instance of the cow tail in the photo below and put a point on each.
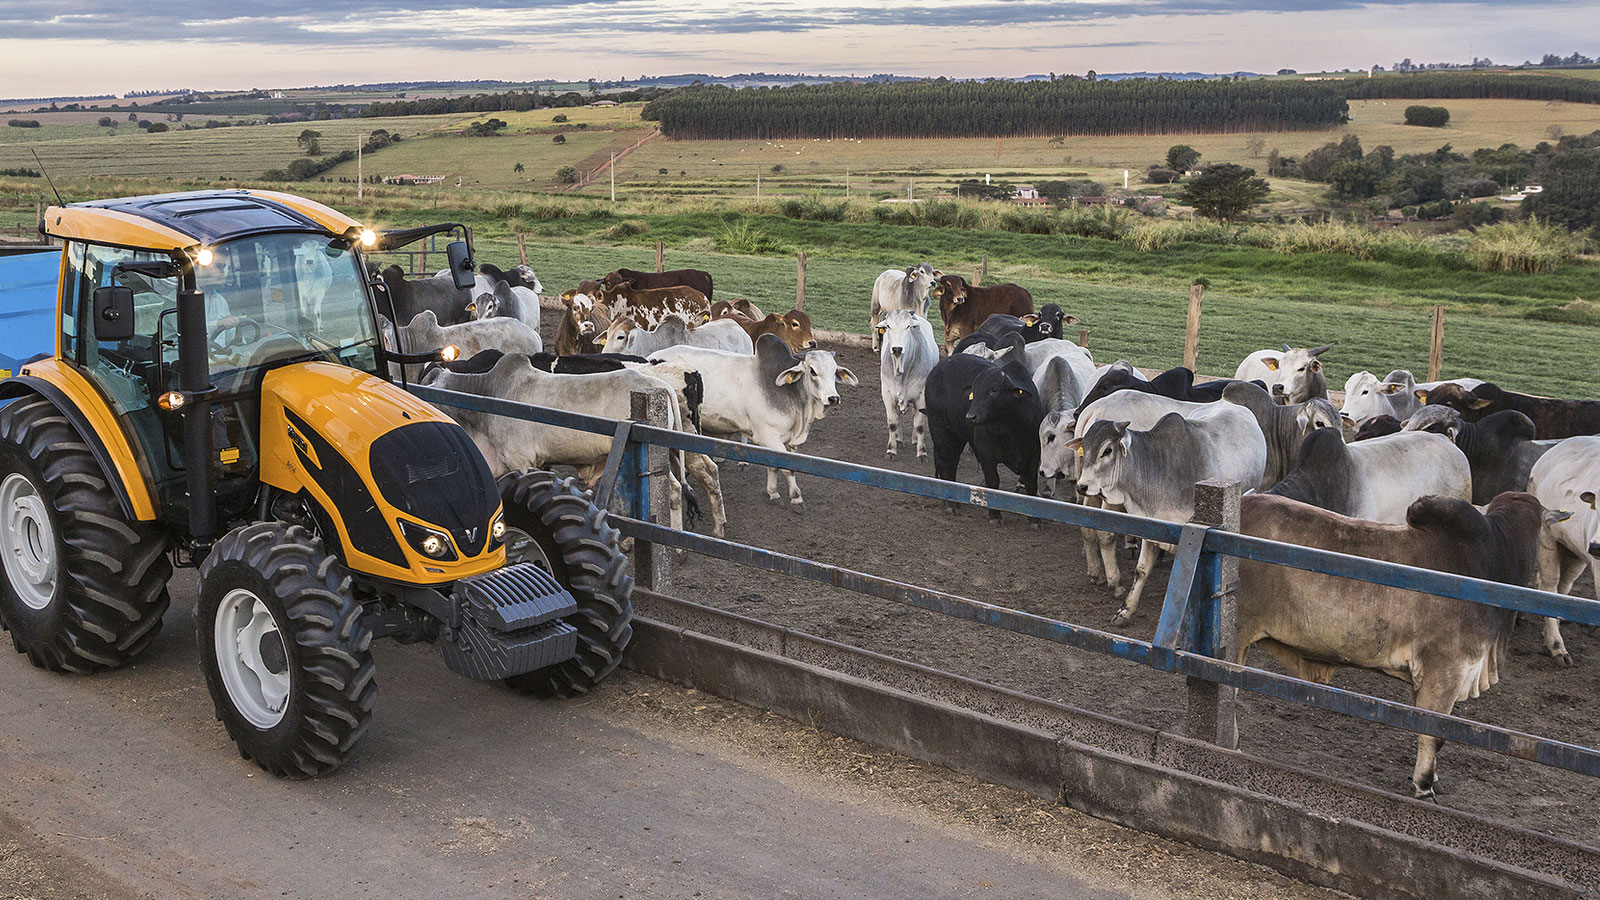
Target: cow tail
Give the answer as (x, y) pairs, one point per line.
(694, 392)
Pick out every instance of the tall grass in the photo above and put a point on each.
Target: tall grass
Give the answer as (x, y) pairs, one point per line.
(1529, 246)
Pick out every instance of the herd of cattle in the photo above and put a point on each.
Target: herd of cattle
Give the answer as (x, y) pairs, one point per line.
(1459, 476)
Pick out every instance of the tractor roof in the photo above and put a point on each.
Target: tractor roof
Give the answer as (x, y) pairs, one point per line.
(165, 222)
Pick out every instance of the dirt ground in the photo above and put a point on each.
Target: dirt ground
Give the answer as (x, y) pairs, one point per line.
(1042, 571)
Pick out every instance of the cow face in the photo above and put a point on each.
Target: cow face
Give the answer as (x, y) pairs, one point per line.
(1102, 450)
(995, 394)
(616, 334)
(1454, 396)
(900, 331)
(1443, 420)
(795, 326)
(526, 277)
(1057, 458)
(818, 375)
(1049, 322)
(615, 280)
(1365, 397)
(1589, 498)
(1299, 374)
(1317, 413)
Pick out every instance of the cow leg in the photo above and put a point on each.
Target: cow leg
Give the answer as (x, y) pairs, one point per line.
(1148, 551)
(919, 433)
(947, 448)
(704, 471)
(1570, 568)
(1435, 689)
(991, 480)
(891, 412)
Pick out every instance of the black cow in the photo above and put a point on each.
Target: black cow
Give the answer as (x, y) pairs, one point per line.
(1177, 383)
(1551, 418)
(992, 405)
(1378, 426)
(1045, 324)
(583, 363)
(1500, 448)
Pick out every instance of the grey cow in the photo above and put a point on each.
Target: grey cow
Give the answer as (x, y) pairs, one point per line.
(1153, 473)
(1375, 479)
(1285, 426)
(909, 352)
(901, 289)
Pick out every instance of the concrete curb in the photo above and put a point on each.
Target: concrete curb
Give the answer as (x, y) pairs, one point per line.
(1330, 832)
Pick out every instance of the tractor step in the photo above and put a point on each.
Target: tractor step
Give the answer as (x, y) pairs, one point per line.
(510, 624)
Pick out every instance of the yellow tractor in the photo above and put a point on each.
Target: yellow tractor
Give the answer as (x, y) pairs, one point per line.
(219, 395)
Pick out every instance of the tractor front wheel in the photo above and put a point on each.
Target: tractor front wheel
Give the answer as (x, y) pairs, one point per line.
(286, 655)
(552, 523)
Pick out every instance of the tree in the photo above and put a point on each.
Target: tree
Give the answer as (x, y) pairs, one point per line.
(560, 117)
(107, 122)
(157, 127)
(1571, 194)
(559, 139)
(133, 117)
(1354, 179)
(1427, 116)
(1161, 175)
(567, 175)
(1224, 191)
(309, 142)
(519, 168)
(1255, 144)
(1182, 157)
(777, 169)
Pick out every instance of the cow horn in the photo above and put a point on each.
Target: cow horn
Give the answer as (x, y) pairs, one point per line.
(1323, 349)
(1287, 348)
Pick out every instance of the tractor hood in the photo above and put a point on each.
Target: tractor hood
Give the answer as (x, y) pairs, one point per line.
(386, 468)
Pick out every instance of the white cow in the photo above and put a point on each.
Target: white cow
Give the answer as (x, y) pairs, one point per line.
(770, 397)
(1396, 395)
(901, 289)
(1293, 372)
(510, 444)
(1568, 477)
(624, 336)
(909, 352)
(424, 334)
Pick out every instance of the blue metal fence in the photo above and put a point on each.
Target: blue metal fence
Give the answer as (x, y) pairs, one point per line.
(1186, 635)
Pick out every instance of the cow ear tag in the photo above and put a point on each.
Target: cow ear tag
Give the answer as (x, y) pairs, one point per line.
(1080, 449)
(1271, 364)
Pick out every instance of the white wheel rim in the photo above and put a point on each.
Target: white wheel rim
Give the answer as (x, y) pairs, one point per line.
(28, 541)
(521, 547)
(252, 658)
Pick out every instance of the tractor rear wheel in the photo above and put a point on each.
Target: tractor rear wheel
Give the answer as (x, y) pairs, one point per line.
(286, 655)
(553, 523)
(84, 588)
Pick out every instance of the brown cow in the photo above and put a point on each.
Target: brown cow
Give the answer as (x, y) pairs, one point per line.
(742, 306)
(584, 321)
(1449, 650)
(648, 306)
(965, 306)
(694, 278)
(793, 326)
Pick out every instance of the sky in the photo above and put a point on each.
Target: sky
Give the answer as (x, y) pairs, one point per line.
(57, 48)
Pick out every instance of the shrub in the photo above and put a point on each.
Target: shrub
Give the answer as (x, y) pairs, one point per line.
(744, 238)
(18, 173)
(567, 175)
(559, 139)
(814, 209)
(1161, 175)
(107, 122)
(560, 117)
(1529, 246)
(507, 210)
(627, 228)
(1427, 116)
(24, 123)
(1167, 232)
(158, 127)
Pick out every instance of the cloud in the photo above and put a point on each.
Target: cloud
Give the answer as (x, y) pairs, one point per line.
(499, 24)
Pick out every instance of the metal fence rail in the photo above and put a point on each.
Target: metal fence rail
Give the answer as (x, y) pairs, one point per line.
(1190, 628)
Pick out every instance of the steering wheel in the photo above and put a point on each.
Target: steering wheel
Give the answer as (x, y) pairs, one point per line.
(220, 348)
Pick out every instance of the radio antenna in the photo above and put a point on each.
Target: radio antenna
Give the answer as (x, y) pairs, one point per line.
(47, 178)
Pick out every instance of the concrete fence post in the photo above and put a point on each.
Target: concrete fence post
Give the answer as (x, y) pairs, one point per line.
(650, 496)
(1436, 345)
(1213, 713)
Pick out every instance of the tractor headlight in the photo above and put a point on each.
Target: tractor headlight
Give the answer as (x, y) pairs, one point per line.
(430, 542)
(497, 531)
(205, 257)
(369, 238)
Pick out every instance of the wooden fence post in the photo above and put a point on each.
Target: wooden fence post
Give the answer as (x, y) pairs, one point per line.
(1213, 710)
(522, 247)
(1083, 337)
(652, 562)
(661, 256)
(1191, 336)
(982, 271)
(1436, 345)
(800, 280)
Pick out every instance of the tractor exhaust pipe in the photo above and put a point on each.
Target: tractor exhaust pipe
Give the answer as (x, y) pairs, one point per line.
(194, 377)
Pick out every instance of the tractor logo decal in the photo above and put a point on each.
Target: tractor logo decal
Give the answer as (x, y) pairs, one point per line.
(303, 446)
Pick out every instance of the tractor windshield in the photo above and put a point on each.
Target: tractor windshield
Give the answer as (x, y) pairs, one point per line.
(280, 297)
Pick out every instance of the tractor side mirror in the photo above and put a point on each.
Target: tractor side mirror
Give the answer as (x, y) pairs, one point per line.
(113, 313)
(460, 264)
